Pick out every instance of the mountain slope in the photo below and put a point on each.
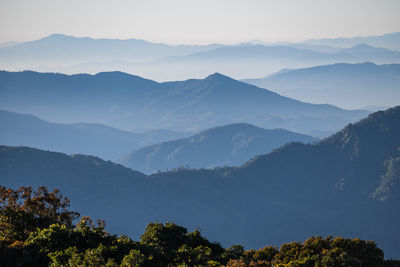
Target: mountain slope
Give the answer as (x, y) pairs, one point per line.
(89, 179)
(346, 185)
(127, 102)
(229, 145)
(78, 138)
(345, 85)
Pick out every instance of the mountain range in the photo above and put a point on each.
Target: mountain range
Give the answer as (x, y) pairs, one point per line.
(69, 54)
(77, 138)
(345, 185)
(60, 49)
(389, 41)
(245, 60)
(250, 60)
(345, 85)
(153, 150)
(229, 145)
(128, 102)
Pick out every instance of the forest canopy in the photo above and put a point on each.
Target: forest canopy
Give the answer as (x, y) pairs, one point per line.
(38, 229)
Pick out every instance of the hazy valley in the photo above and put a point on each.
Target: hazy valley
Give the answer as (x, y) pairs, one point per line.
(192, 149)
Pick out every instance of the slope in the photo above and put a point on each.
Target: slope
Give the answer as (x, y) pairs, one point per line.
(344, 85)
(229, 145)
(78, 138)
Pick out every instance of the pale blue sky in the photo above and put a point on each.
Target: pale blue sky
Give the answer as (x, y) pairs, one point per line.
(198, 21)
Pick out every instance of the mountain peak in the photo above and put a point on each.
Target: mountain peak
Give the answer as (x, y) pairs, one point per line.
(218, 76)
(363, 45)
(362, 48)
(63, 37)
(57, 36)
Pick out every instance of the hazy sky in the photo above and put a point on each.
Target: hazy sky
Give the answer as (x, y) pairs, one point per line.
(198, 21)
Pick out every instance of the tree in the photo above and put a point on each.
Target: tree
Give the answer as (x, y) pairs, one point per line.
(164, 240)
(134, 259)
(38, 230)
(22, 211)
(234, 252)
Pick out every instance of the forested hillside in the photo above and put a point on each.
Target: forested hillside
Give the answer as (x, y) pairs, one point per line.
(228, 145)
(345, 185)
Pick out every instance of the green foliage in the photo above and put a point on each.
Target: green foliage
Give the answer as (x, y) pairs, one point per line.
(134, 259)
(172, 244)
(233, 252)
(315, 252)
(88, 244)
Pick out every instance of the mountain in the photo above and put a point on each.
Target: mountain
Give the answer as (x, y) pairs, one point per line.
(229, 145)
(8, 44)
(162, 62)
(344, 85)
(389, 41)
(239, 61)
(63, 50)
(345, 185)
(78, 138)
(251, 59)
(127, 102)
(318, 48)
(89, 179)
(364, 52)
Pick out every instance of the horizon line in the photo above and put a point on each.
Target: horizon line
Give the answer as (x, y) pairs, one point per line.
(199, 44)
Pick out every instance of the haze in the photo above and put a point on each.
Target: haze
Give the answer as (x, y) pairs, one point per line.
(200, 22)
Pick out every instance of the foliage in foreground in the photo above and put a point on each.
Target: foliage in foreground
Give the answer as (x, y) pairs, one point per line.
(37, 229)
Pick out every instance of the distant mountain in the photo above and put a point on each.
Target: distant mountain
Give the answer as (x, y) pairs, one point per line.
(162, 62)
(78, 138)
(364, 52)
(129, 102)
(317, 48)
(290, 55)
(389, 41)
(62, 50)
(249, 60)
(344, 85)
(245, 60)
(256, 60)
(229, 145)
(8, 44)
(345, 185)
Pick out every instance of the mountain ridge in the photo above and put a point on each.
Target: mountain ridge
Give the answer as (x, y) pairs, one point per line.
(163, 62)
(227, 145)
(297, 190)
(181, 105)
(345, 85)
(77, 138)
(389, 40)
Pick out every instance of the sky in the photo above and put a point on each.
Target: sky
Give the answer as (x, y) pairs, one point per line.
(198, 21)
